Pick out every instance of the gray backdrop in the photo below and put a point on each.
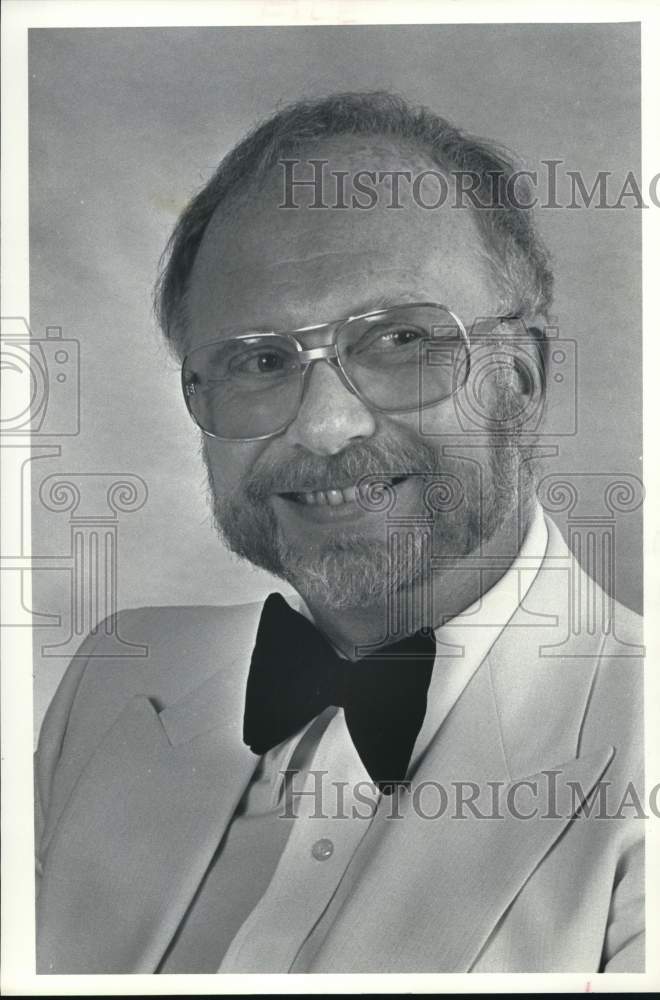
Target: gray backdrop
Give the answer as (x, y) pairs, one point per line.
(125, 124)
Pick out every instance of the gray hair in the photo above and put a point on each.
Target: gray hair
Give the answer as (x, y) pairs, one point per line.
(513, 248)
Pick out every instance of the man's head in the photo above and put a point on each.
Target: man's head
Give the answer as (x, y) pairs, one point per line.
(240, 262)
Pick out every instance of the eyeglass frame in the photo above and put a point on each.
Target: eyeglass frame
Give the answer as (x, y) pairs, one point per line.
(329, 353)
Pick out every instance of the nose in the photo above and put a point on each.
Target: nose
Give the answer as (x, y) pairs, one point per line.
(331, 416)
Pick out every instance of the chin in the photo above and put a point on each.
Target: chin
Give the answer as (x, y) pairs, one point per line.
(353, 573)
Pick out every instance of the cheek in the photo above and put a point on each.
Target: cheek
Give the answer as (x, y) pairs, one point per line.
(430, 423)
(228, 462)
(470, 412)
(466, 475)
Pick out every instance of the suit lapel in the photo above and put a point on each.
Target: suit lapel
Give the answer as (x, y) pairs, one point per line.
(425, 894)
(140, 829)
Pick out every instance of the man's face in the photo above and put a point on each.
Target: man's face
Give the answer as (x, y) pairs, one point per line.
(267, 268)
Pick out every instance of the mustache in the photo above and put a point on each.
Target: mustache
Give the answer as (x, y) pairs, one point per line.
(308, 473)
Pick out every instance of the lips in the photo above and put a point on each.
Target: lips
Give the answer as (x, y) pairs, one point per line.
(335, 496)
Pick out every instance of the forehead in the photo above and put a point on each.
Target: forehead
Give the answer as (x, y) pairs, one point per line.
(267, 267)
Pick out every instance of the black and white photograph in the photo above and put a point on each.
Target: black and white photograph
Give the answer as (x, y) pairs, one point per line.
(325, 531)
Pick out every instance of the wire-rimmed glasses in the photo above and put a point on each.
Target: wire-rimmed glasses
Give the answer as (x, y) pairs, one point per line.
(396, 360)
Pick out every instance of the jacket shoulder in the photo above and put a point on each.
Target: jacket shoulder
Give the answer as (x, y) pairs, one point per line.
(615, 711)
(162, 653)
(186, 642)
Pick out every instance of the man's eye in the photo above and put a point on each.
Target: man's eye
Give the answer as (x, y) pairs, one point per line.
(261, 363)
(399, 338)
(269, 362)
(387, 341)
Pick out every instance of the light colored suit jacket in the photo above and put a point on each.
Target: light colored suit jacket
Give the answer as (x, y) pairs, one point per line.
(141, 764)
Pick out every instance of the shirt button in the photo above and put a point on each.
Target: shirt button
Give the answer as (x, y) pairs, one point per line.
(322, 849)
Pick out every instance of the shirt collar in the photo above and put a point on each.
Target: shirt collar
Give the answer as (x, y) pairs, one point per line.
(463, 643)
(496, 605)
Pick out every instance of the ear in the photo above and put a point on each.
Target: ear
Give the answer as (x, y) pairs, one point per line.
(529, 347)
(506, 351)
(524, 344)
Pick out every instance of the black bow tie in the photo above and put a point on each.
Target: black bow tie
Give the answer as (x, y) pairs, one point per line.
(295, 674)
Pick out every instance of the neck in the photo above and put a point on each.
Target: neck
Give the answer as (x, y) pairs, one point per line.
(424, 602)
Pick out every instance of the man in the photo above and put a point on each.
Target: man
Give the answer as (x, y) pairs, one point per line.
(400, 768)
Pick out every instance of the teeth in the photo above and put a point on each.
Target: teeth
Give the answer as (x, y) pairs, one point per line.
(336, 497)
(333, 498)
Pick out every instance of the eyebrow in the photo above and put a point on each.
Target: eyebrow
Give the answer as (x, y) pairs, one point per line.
(390, 301)
(372, 304)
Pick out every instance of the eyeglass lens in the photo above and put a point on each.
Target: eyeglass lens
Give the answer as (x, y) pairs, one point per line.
(396, 360)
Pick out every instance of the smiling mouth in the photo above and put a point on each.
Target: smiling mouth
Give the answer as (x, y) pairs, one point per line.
(336, 496)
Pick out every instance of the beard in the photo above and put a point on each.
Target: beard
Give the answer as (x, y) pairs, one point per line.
(463, 503)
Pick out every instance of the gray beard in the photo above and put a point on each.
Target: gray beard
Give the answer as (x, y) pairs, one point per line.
(470, 502)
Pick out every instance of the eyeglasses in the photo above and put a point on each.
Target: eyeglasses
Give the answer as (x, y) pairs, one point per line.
(395, 360)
